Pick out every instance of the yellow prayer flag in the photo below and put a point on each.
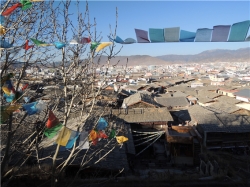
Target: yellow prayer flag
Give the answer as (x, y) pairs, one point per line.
(2, 30)
(103, 45)
(6, 90)
(63, 136)
(13, 108)
(121, 139)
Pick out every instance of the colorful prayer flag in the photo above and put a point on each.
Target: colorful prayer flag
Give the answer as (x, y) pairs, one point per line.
(27, 46)
(187, 36)
(112, 134)
(7, 110)
(2, 19)
(156, 35)
(26, 4)
(94, 45)
(102, 135)
(51, 132)
(40, 43)
(4, 44)
(63, 136)
(220, 33)
(74, 135)
(30, 108)
(172, 34)
(59, 45)
(84, 142)
(239, 31)
(2, 30)
(6, 90)
(9, 98)
(102, 46)
(85, 40)
(203, 35)
(121, 139)
(142, 36)
(8, 11)
(102, 124)
(52, 121)
(93, 135)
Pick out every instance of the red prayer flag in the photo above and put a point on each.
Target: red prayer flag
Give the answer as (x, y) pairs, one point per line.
(52, 121)
(102, 134)
(27, 46)
(8, 11)
(25, 86)
(85, 40)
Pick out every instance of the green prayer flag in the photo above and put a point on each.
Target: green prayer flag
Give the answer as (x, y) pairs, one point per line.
(94, 45)
(26, 4)
(50, 133)
(112, 134)
(38, 42)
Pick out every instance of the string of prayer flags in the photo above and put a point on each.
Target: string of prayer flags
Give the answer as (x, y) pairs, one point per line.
(26, 4)
(5, 44)
(2, 30)
(84, 143)
(10, 86)
(59, 45)
(36, 0)
(52, 121)
(74, 135)
(52, 132)
(102, 124)
(8, 11)
(40, 43)
(121, 139)
(112, 134)
(94, 45)
(27, 46)
(63, 136)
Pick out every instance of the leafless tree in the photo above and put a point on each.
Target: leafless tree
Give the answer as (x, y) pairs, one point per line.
(74, 91)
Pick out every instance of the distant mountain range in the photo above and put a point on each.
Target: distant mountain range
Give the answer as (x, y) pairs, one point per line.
(216, 55)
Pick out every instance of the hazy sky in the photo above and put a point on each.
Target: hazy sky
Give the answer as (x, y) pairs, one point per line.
(188, 15)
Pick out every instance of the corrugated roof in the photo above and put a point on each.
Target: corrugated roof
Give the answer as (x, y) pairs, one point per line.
(139, 97)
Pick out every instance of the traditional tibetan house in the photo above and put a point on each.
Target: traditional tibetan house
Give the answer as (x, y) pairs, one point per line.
(183, 144)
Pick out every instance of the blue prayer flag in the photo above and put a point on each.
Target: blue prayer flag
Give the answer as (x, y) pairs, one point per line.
(73, 136)
(30, 108)
(102, 124)
(239, 31)
(59, 45)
